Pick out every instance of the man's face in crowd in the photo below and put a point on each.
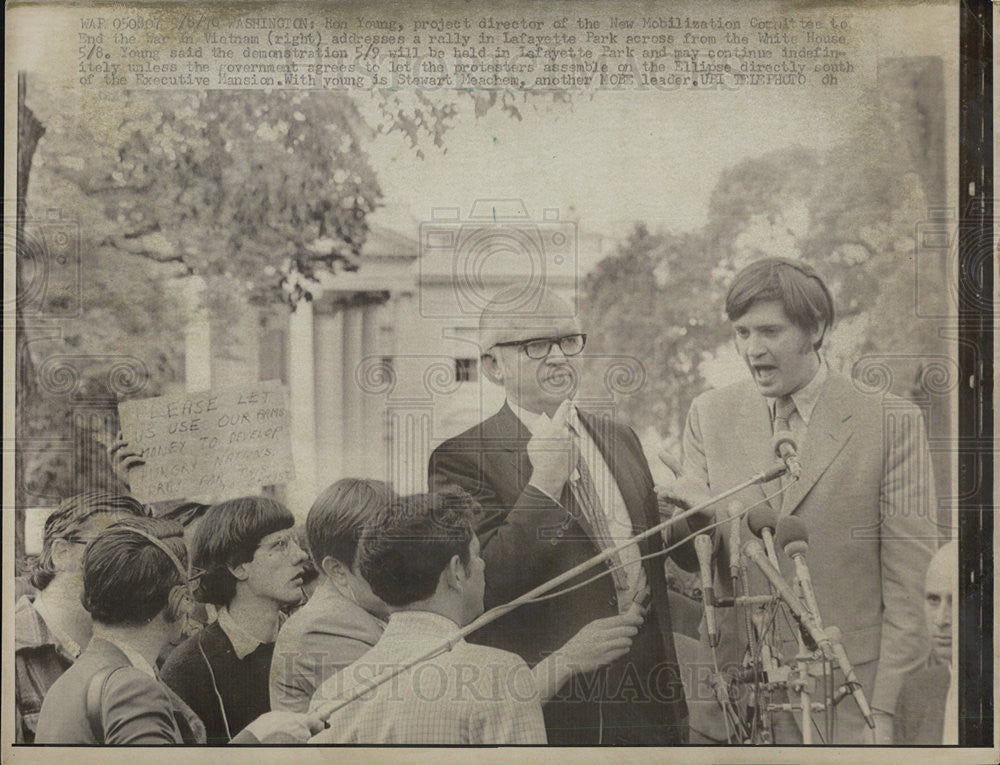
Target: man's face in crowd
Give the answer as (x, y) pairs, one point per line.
(778, 353)
(538, 385)
(277, 568)
(938, 591)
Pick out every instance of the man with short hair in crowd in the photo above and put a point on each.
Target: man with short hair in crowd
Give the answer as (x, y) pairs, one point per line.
(251, 567)
(422, 558)
(343, 619)
(52, 628)
(927, 709)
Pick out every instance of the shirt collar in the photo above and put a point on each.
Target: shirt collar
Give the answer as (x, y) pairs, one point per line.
(135, 658)
(410, 623)
(805, 398)
(243, 642)
(533, 421)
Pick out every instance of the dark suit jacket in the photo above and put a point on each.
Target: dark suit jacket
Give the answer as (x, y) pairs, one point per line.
(867, 496)
(919, 718)
(527, 539)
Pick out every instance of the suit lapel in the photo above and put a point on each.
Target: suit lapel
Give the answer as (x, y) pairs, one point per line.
(830, 427)
(622, 467)
(752, 430)
(506, 440)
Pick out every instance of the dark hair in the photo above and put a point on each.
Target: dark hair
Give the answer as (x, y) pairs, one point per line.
(71, 515)
(127, 579)
(229, 535)
(336, 518)
(404, 551)
(802, 294)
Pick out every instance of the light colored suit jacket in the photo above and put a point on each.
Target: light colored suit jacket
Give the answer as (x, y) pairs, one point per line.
(866, 495)
(134, 709)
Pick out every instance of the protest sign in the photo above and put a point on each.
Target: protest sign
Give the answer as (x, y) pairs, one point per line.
(214, 443)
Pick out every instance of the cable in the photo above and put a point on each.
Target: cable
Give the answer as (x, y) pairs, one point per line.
(649, 556)
(215, 687)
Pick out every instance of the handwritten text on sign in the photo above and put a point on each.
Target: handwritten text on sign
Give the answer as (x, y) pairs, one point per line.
(220, 442)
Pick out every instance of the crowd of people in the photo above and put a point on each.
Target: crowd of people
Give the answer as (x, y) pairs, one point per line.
(230, 624)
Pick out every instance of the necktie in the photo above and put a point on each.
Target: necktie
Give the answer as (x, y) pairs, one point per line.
(590, 504)
(784, 408)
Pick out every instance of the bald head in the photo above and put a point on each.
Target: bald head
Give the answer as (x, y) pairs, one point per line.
(939, 590)
(521, 313)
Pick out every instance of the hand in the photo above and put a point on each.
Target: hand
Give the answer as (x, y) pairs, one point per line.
(676, 492)
(123, 459)
(279, 727)
(882, 735)
(602, 641)
(553, 453)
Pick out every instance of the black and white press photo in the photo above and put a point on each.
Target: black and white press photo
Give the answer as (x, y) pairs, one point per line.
(456, 374)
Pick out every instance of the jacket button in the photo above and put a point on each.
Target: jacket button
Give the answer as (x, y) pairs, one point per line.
(612, 601)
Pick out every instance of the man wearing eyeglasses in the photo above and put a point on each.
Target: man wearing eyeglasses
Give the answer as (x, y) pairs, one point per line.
(558, 485)
(52, 628)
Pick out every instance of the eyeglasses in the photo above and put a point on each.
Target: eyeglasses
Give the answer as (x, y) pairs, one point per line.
(282, 546)
(538, 348)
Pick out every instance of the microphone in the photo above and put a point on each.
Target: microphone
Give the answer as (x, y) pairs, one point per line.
(831, 649)
(755, 551)
(833, 633)
(787, 449)
(793, 537)
(703, 549)
(762, 520)
(734, 541)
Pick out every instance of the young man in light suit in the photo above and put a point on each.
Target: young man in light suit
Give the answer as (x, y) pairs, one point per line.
(866, 490)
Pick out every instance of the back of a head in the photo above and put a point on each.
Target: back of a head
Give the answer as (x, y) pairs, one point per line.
(127, 578)
(943, 567)
(228, 535)
(516, 311)
(405, 550)
(69, 518)
(336, 518)
(793, 283)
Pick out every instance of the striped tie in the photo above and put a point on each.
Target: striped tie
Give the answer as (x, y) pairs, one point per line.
(784, 408)
(590, 504)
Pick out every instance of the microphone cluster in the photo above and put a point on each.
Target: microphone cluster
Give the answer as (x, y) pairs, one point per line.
(792, 536)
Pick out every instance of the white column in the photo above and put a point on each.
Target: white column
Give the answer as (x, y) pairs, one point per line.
(354, 434)
(372, 446)
(302, 402)
(197, 338)
(329, 338)
(409, 412)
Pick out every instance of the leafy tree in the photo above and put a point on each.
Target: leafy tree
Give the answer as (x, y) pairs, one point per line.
(256, 192)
